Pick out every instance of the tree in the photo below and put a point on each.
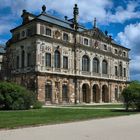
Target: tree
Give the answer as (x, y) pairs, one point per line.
(15, 97)
(131, 95)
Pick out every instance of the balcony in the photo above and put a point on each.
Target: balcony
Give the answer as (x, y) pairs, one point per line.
(86, 73)
(96, 74)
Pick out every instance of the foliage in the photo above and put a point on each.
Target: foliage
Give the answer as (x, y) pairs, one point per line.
(37, 105)
(131, 95)
(15, 97)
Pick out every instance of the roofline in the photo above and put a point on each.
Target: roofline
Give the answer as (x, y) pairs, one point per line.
(62, 20)
(121, 46)
(21, 25)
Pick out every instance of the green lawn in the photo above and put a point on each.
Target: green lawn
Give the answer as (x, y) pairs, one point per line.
(13, 119)
(99, 106)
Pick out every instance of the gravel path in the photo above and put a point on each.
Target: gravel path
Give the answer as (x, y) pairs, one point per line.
(117, 128)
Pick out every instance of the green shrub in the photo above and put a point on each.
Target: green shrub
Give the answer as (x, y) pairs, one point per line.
(37, 105)
(15, 97)
(131, 96)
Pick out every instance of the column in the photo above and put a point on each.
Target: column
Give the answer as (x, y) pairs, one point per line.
(60, 92)
(100, 93)
(91, 66)
(100, 69)
(109, 93)
(53, 93)
(91, 95)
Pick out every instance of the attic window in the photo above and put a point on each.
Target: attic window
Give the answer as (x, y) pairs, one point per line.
(105, 47)
(124, 54)
(85, 41)
(116, 51)
(23, 33)
(65, 37)
(48, 32)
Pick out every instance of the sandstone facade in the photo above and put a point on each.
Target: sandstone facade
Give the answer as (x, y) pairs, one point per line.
(62, 64)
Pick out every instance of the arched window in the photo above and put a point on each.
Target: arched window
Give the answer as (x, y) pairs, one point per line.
(95, 65)
(85, 63)
(104, 67)
(48, 92)
(65, 93)
(48, 59)
(57, 59)
(120, 69)
(22, 59)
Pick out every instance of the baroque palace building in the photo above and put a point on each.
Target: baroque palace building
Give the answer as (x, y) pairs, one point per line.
(63, 62)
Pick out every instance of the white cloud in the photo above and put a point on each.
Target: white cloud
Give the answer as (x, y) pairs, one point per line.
(130, 38)
(122, 14)
(101, 9)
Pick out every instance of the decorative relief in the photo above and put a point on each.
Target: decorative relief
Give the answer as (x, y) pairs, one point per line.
(96, 44)
(48, 48)
(57, 34)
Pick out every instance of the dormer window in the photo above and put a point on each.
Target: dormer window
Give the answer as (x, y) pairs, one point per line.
(116, 51)
(48, 32)
(124, 54)
(23, 33)
(105, 47)
(85, 41)
(65, 37)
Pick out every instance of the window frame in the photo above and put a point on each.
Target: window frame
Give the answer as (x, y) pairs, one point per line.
(28, 59)
(65, 62)
(86, 39)
(65, 37)
(95, 65)
(47, 61)
(85, 63)
(48, 32)
(57, 59)
(104, 67)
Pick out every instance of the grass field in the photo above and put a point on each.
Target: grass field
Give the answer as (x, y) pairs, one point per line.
(98, 106)
(14, 119)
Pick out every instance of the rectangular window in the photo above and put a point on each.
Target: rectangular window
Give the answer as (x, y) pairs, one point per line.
(65, 62)
(124, 72)
(105, 47)
(65, 37)
(29, 32)
(85, 41)
(48, 31)
(48, 59)
(116, 71)
(28, 59)
(116, 51)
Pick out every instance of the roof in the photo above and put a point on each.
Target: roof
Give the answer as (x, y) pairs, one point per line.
(116, 43)
(60, 22)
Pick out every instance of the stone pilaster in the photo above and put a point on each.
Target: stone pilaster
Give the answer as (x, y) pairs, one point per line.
(91, 94)
(53, 93)
(100, 93)
(60, 92)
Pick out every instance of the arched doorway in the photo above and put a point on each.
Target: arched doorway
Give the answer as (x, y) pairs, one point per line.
(85, 92)
(96, 94)
(105, 97)
(48, 91)
(65, 93)
(116, 93)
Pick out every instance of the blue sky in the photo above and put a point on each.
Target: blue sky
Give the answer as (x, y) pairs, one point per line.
(121, 18)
